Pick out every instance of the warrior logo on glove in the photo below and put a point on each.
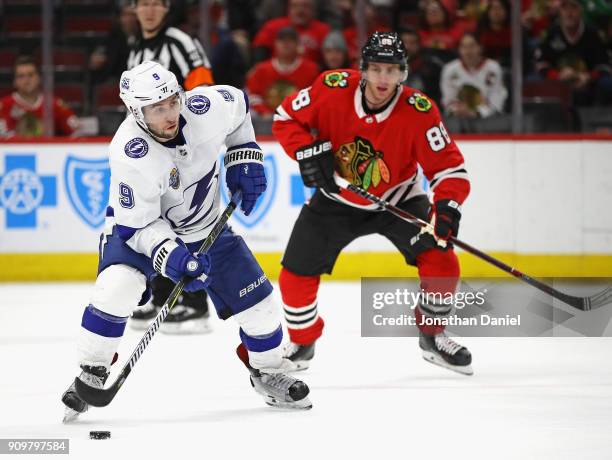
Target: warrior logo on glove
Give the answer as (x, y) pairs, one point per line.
(245, 172)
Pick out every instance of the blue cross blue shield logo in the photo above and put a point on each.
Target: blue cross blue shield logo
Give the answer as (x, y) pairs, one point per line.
(264, 202)
(87, 185)
(23, 191)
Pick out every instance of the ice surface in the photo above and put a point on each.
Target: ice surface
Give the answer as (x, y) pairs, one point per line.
(189, 397)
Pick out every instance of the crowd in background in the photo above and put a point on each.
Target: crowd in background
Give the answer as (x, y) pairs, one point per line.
(459, 53)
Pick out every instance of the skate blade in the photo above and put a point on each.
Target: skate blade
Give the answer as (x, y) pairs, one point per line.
(302, 404)
(190, 327)
(435, 359)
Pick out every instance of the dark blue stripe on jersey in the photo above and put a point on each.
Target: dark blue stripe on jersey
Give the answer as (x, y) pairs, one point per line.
(123, 232)
(246, 101)
(110, 212)
(103, 324)
(248, 145)
(262, 342)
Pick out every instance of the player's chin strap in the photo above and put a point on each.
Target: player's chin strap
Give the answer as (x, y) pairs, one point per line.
(100, 397)
(581, 303)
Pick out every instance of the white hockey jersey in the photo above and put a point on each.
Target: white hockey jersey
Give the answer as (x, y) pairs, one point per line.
(481, 89)
(164, 190)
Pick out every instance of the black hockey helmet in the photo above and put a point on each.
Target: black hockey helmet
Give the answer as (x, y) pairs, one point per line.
(385, 47)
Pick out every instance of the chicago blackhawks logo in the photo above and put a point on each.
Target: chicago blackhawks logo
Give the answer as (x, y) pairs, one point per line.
(420, 102)
(336, 79)
(360, 163)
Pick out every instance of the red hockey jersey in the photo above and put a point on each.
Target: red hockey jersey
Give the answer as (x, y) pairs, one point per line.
(268, 83)
(378, 152)
(18, 118)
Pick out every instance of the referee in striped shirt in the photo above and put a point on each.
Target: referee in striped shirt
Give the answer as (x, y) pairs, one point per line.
(172, 48)
(184, 56)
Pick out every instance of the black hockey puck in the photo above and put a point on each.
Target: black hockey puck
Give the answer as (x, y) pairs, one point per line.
(99, 434)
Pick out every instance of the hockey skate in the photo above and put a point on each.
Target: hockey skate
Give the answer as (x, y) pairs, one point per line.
(298, 356)
(277, 389)
(443, 351)
(95, 376)
(143, 316)
(181, 319)
(186, 320)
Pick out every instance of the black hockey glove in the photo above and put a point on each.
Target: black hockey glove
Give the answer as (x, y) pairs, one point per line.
(316, 163)
(447, 215)
(445, 221)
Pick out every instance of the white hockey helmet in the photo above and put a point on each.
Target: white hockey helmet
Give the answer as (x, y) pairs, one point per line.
(146, 84)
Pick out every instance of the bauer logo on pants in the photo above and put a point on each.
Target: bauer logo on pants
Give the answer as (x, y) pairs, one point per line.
(87, 186)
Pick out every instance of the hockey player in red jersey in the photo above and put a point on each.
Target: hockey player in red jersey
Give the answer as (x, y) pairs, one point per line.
(375, 133)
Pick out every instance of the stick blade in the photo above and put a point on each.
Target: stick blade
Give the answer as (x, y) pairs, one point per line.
(97, 397)
(601, 299)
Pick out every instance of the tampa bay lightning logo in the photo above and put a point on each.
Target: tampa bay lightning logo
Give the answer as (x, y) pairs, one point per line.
(264, 202)
(198, 104)
(227, 96)
(87, 185)
(201, 197)
(136, 148)
(125, 83)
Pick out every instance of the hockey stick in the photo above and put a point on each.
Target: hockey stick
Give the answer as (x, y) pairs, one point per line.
(100, 397)
(581, 303)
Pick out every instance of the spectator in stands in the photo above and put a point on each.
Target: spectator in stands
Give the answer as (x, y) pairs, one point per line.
(335, 51)
(108, 60)
(300, 16)
(229, 63)
(469, 13)
(472, 86)
(573, 52)
(174, 49)
(21, 113)
(376, 18)
(438, 27)
(345, 10)
(423, 67)
(405, 14)
(269, 82)
(495, 32)
(538, 15)
(604, 90)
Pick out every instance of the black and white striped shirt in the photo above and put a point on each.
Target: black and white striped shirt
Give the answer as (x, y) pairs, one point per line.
(178, 52)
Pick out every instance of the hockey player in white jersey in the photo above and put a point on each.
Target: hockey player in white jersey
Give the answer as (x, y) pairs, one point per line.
(164, 200)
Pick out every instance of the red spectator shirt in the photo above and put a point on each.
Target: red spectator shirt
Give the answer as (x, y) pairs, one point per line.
(269, 83)
(378, 152)
(446, 40)
(496, 44)
(18, 118)
(311, 37)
